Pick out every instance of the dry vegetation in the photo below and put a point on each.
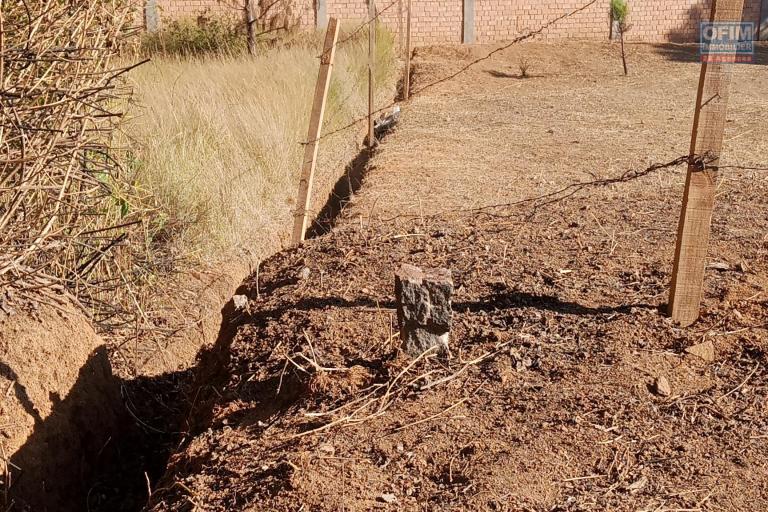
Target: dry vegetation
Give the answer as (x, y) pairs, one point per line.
(218, 138)
(61, 188)
(203, 168)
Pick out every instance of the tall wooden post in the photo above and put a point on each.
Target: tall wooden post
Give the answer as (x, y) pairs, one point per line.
(407, 80)
(699, 197)
(400, 31)
(371, 62)
(315, 127)
(250, 26)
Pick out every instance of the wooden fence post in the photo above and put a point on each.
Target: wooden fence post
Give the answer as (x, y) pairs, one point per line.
(371, 60)
(400, 31)
(699, 197)
(407, 78)
(313, 134)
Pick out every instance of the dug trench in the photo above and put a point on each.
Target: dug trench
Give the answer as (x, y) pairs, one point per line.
(79, 432)
(106, 444)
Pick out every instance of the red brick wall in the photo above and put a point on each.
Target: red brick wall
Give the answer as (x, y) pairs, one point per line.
(177, 9)
(650, 20)
(432, 21)
(441, 21)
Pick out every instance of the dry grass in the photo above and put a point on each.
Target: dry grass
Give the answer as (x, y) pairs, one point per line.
(217, 139)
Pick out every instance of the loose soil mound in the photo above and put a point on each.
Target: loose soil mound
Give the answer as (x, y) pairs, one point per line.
(551, 397)
(58, 408)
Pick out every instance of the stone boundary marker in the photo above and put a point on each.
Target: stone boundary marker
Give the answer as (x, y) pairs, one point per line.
(423, 308)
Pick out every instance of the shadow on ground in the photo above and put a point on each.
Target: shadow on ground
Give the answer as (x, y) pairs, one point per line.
(105, 444)
(503, 74)
(54, 468)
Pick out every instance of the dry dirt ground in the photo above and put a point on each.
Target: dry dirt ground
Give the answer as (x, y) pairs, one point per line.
(548, 400)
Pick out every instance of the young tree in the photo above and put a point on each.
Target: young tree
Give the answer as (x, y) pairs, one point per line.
(619, 14)
(250, 25)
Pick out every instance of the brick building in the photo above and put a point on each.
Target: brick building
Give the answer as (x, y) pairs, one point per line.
(482, 21)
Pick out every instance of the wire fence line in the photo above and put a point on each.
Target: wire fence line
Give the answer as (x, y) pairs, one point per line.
(352, 35)
(528, 35)
(339, 109)
(698, 163)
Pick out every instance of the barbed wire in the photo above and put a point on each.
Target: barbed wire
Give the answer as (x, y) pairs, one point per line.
(529, 35)
(698, 163)
(339, 109)
(353, 34)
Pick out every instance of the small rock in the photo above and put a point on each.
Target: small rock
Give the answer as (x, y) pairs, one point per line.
(719, 265)
(304, 273)
(240, 302)
(705, 351)
(388, 498)
(662, 386)
(638, 485)
(327, 448)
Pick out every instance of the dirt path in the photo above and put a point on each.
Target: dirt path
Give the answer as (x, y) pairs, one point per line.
(548, 401)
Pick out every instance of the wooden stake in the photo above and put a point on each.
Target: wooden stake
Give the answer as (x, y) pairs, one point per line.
(313, 134)
(400, 31)
(371, 61)
(407, 81)
(699, 197)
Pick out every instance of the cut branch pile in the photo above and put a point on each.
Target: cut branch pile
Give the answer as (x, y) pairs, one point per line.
(62, 206)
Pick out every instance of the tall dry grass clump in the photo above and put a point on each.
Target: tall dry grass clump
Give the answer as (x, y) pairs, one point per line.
(217, 138)
(61, 197)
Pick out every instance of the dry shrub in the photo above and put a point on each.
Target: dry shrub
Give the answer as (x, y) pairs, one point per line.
(525, 66)
(188, 36)
(271, 22)
(63, 205)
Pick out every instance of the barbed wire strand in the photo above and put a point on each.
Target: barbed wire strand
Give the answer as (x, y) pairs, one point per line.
(699, 162)
(517, 40)
(360, 27)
